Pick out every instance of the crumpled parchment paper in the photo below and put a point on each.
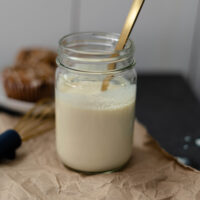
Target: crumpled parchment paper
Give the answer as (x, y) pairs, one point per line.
(38, 174)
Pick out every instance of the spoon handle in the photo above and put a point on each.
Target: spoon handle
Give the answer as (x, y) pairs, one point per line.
(128, 26)
(129, 23)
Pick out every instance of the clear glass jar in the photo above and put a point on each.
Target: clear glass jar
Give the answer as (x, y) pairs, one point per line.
(94, 128)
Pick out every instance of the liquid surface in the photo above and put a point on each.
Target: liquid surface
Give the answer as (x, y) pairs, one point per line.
(94, 128)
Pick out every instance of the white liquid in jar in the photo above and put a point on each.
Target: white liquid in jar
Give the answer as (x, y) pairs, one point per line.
(93, 128)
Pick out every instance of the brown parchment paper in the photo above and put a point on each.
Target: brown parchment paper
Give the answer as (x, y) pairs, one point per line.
(38, 174)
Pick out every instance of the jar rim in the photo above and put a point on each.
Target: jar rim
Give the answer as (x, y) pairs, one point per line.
(93, 72)
(129, 43)
(94, 48)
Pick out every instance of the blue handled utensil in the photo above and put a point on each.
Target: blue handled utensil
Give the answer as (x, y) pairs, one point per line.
(36, 121)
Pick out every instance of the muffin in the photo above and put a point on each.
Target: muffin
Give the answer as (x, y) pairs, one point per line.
(32, 76)
(34, 56)
(29, 83)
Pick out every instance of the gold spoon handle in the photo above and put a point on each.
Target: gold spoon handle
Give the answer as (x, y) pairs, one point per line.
(128, 26)
(129, 23)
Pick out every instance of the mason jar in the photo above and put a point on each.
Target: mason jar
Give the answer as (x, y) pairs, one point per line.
(95, 102)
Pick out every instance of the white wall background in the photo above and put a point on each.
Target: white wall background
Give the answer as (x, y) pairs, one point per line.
(163, 34)
(28, 22)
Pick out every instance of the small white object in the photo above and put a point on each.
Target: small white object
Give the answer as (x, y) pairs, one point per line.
(187, 138)
(197, 142)
(183, 160)
(185, 146)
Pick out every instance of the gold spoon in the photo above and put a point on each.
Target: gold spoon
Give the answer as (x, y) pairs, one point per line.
(128, 26)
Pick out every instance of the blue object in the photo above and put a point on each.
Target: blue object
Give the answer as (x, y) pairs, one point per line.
(10, 140)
